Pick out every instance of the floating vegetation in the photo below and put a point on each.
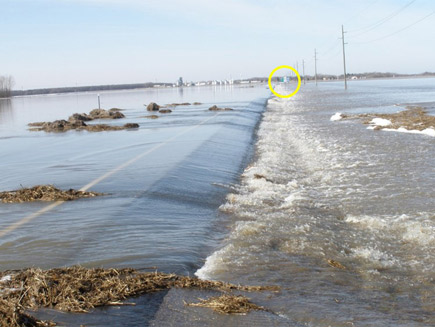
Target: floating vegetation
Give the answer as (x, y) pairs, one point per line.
(79, 289)
(77, 122)
(151, 117)
(63, 126)
(228, 304)
(179, 104)
(104, 127)
(216, 108)
(44, 193)
(336, 264)
(414, 118)
(259, 176)
(152, 106)
(113, 113)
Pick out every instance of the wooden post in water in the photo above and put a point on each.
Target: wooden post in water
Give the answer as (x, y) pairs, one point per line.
(99, 106)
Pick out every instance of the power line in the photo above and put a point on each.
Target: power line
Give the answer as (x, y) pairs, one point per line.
(382, 21)
(361, 12)
(334, 45)
(398, 31)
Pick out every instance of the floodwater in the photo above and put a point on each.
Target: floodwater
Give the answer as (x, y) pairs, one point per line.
(216, 197)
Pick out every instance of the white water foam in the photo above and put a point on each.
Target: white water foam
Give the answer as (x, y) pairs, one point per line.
(293, 200)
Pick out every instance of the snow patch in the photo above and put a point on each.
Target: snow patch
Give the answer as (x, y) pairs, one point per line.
(381, 122)
(5, 278)
(336, 116)
(427, 131)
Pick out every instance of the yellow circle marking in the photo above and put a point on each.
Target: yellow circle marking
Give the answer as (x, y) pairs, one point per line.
(291, 94)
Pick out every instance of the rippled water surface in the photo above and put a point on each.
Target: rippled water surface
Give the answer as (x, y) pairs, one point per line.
(323, 190)
(215, 196)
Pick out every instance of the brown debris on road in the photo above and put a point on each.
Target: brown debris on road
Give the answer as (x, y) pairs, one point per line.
(336, 264)
(79, 289)
(77, 122)
(413, 118)
(44, 193)
(153, 106)
(113, 113)
(178, 104)
(63, 126)
(216, 108)
(228, 304)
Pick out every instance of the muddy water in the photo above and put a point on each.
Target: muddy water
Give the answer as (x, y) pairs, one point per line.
(159, 211)
(321, 190)
(314, 190)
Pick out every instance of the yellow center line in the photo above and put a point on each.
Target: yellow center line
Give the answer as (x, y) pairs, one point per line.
(51, 206)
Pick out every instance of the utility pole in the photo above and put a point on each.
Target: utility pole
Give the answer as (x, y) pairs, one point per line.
(303, 69)
(344, 57)
(315, 65)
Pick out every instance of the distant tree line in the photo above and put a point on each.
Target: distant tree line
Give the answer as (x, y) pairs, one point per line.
(6, 85)
(88, 88)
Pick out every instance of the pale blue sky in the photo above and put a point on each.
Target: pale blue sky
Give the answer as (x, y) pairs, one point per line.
(48, 43)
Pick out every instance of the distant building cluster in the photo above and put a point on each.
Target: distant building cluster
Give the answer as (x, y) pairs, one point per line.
(180, 82)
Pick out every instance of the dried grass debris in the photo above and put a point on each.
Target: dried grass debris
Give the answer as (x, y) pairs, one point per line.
(228, 304)
(413, 118)
(216, 108)
(152, 106)
(44, 193)
(79, 289)
(178, 104)
(106, 114)
(336, 264)
(77, 122)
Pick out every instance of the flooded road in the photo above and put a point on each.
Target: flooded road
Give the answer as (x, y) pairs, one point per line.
(162, 189)
(213, 196)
